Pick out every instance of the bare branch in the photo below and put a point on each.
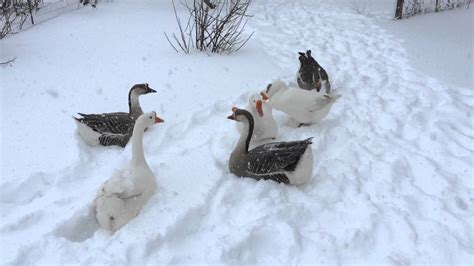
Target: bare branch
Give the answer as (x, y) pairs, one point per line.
(7, 63)
(171, 43)
(218, 28)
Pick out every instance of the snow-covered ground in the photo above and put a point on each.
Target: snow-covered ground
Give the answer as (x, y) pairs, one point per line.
(393, 176)
(438, 44)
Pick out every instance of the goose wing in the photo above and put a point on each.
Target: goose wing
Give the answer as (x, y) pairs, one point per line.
(110, 139)
(115, 123)
(120, 186)
(321, 102)
(271, 160)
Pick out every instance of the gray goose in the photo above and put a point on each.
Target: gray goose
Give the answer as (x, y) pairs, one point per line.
(284, 162)
(310, 74)
(112, 128)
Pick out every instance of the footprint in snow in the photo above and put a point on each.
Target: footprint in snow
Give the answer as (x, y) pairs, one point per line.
(80, 227)
(33, 187)
(24, 222)
(52, 93)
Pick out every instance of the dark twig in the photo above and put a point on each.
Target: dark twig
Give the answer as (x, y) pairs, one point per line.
(7, 63)
(218, 28)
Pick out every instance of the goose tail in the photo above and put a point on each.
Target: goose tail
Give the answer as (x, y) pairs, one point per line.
(77, 119)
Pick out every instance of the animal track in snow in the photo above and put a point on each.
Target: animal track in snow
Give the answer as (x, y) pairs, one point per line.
(80, 227)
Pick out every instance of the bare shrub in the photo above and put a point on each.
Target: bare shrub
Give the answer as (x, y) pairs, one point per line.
(13, 14)
(215, 26)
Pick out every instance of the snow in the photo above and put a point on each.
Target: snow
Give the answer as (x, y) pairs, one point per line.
(446, 49)
(392, 180)
(438, 44)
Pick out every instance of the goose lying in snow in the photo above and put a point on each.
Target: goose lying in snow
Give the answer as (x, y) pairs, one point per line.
(310, 74)
(112, 128)
(306, 107)
(265, 126)
(122, 197)
(285, 162)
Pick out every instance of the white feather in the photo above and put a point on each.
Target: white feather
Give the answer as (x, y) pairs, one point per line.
(87, 134)
(302, 105)
(303, 170)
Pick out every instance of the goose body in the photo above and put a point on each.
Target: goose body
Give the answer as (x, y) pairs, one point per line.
(112, 128)
(265, 126)
(284, 162)
(311, 76)
(305, 107)
(122, 197)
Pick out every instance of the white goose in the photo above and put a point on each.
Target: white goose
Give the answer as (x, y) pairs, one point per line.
(306, 107)
(122, 197)
(265, 125)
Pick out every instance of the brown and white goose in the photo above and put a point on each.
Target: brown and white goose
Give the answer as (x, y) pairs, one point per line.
(310, 74)
(284, 162)
(112, 128)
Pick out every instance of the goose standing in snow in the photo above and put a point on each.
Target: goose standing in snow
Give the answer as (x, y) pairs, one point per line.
(284, 162)
(122, 197)
(112, 128)
(265, 126)
(304, 106)
(310, 74)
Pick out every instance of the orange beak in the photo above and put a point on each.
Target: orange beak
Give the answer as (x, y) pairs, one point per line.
(159, 120)
(259, 108)
(264, 96)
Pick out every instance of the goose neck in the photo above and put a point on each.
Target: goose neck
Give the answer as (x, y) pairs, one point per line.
(134, 103)
(138, 154)
(247, 132)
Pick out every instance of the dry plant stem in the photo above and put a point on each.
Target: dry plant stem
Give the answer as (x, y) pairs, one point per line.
(218, 29)
(13, 15)
(6, 63)
(183, 43)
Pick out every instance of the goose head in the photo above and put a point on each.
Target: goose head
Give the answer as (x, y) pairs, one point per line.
(148, 119)
(133, 95)
(140, 89)
(256, 103)
(273, 88)
(241, 115)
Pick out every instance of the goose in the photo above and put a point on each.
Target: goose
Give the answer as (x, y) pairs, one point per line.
(112, 128)
(284, 162)
(304, 106)
(265, 126)
(122, 197)
(310, 74)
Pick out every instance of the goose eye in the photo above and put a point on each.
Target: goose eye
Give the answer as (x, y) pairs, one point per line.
(150, 117)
